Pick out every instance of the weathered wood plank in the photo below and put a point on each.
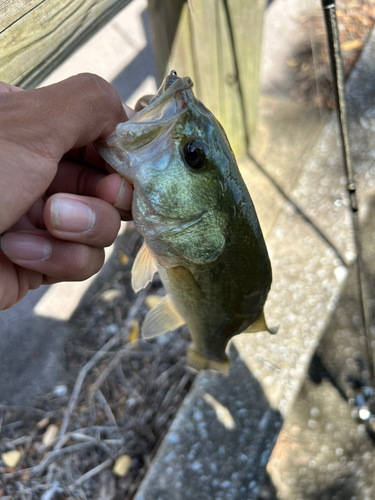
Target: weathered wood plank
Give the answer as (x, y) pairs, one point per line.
(164, 18)
(218, 44)
(37, 35)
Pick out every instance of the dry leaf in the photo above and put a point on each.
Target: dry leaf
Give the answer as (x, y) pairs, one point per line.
(50, 435)
(152, 300)
(124, 259)
(351, 45)
(134, 331)
(122, 465)
(11, 458)
(25, 476)
(110, 295)
(43, 423)
(293, 63)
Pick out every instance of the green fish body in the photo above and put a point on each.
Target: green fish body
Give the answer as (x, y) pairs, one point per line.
(200, 227)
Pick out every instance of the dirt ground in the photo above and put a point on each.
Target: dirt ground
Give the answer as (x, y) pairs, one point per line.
(117, 400)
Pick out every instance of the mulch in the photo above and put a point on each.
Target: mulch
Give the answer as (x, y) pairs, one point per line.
(119, 398)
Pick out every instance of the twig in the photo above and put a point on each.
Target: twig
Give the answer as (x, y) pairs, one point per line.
(91, 473)
(11, 475)
(90, 364)
(62, 442)
(169, 395)
(100, 428)
(105, 374)
(53, 455)
(168, 372)
(185, 379)
(107, 409)
(23, 408)
(112, 366)
(16, 442)
(96, 470)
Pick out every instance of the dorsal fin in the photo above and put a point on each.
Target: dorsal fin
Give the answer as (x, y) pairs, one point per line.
(260, 325)
(161, 319)
(144, 268)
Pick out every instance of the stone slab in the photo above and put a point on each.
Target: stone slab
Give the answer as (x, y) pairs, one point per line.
(219, 443)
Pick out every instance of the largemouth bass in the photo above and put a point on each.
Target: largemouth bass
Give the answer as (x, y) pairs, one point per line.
(200, 228)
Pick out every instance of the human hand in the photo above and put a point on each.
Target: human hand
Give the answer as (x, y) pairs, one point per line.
(57, 199)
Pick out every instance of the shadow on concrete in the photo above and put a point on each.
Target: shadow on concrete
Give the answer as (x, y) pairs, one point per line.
(344, 488)
(220, 441)
(141, 67)
(31, 356)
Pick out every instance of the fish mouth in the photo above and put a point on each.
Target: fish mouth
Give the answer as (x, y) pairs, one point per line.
(171, 84)
(170, 79)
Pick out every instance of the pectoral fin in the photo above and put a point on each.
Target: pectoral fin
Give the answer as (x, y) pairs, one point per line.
(161, 319)
(260, 325)
(144, 268)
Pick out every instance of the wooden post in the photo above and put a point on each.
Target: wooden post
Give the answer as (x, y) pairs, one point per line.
(218, 44)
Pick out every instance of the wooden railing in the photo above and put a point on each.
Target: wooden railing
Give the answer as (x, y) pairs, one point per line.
(37, 35)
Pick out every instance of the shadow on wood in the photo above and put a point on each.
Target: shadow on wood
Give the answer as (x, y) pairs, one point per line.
(218, 44)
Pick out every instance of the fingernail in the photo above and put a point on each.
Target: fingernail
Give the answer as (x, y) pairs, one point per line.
(21, 246)
(124, 197)
(71, 216)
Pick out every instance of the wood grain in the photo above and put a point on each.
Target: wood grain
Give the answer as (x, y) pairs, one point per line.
(37, 35)
(218, 44)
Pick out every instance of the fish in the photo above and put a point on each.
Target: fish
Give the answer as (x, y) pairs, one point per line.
(201, 232)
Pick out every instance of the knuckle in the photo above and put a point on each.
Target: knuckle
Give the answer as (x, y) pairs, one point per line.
(88, 261)
(99, 261)
(104, 89)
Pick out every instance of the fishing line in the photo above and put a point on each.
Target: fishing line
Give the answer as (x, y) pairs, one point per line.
(193, 36)
(220, 64)
(237, 75)
(329, 10)
(298, 210)
(257, 164)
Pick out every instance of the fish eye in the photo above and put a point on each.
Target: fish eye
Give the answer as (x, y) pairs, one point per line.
(194, 153)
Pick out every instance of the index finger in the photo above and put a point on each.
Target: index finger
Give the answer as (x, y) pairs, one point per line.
(67, 115)
(37, 127)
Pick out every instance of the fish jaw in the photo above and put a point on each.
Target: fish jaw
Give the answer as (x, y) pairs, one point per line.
(159, 116)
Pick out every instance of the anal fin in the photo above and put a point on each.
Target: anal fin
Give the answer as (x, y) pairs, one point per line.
(260, 325)
(144, 268)
(161, 319)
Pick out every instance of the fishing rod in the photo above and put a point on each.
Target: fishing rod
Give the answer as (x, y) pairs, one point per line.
(329, 9)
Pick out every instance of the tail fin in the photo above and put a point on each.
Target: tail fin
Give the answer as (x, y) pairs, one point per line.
(199, 362)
